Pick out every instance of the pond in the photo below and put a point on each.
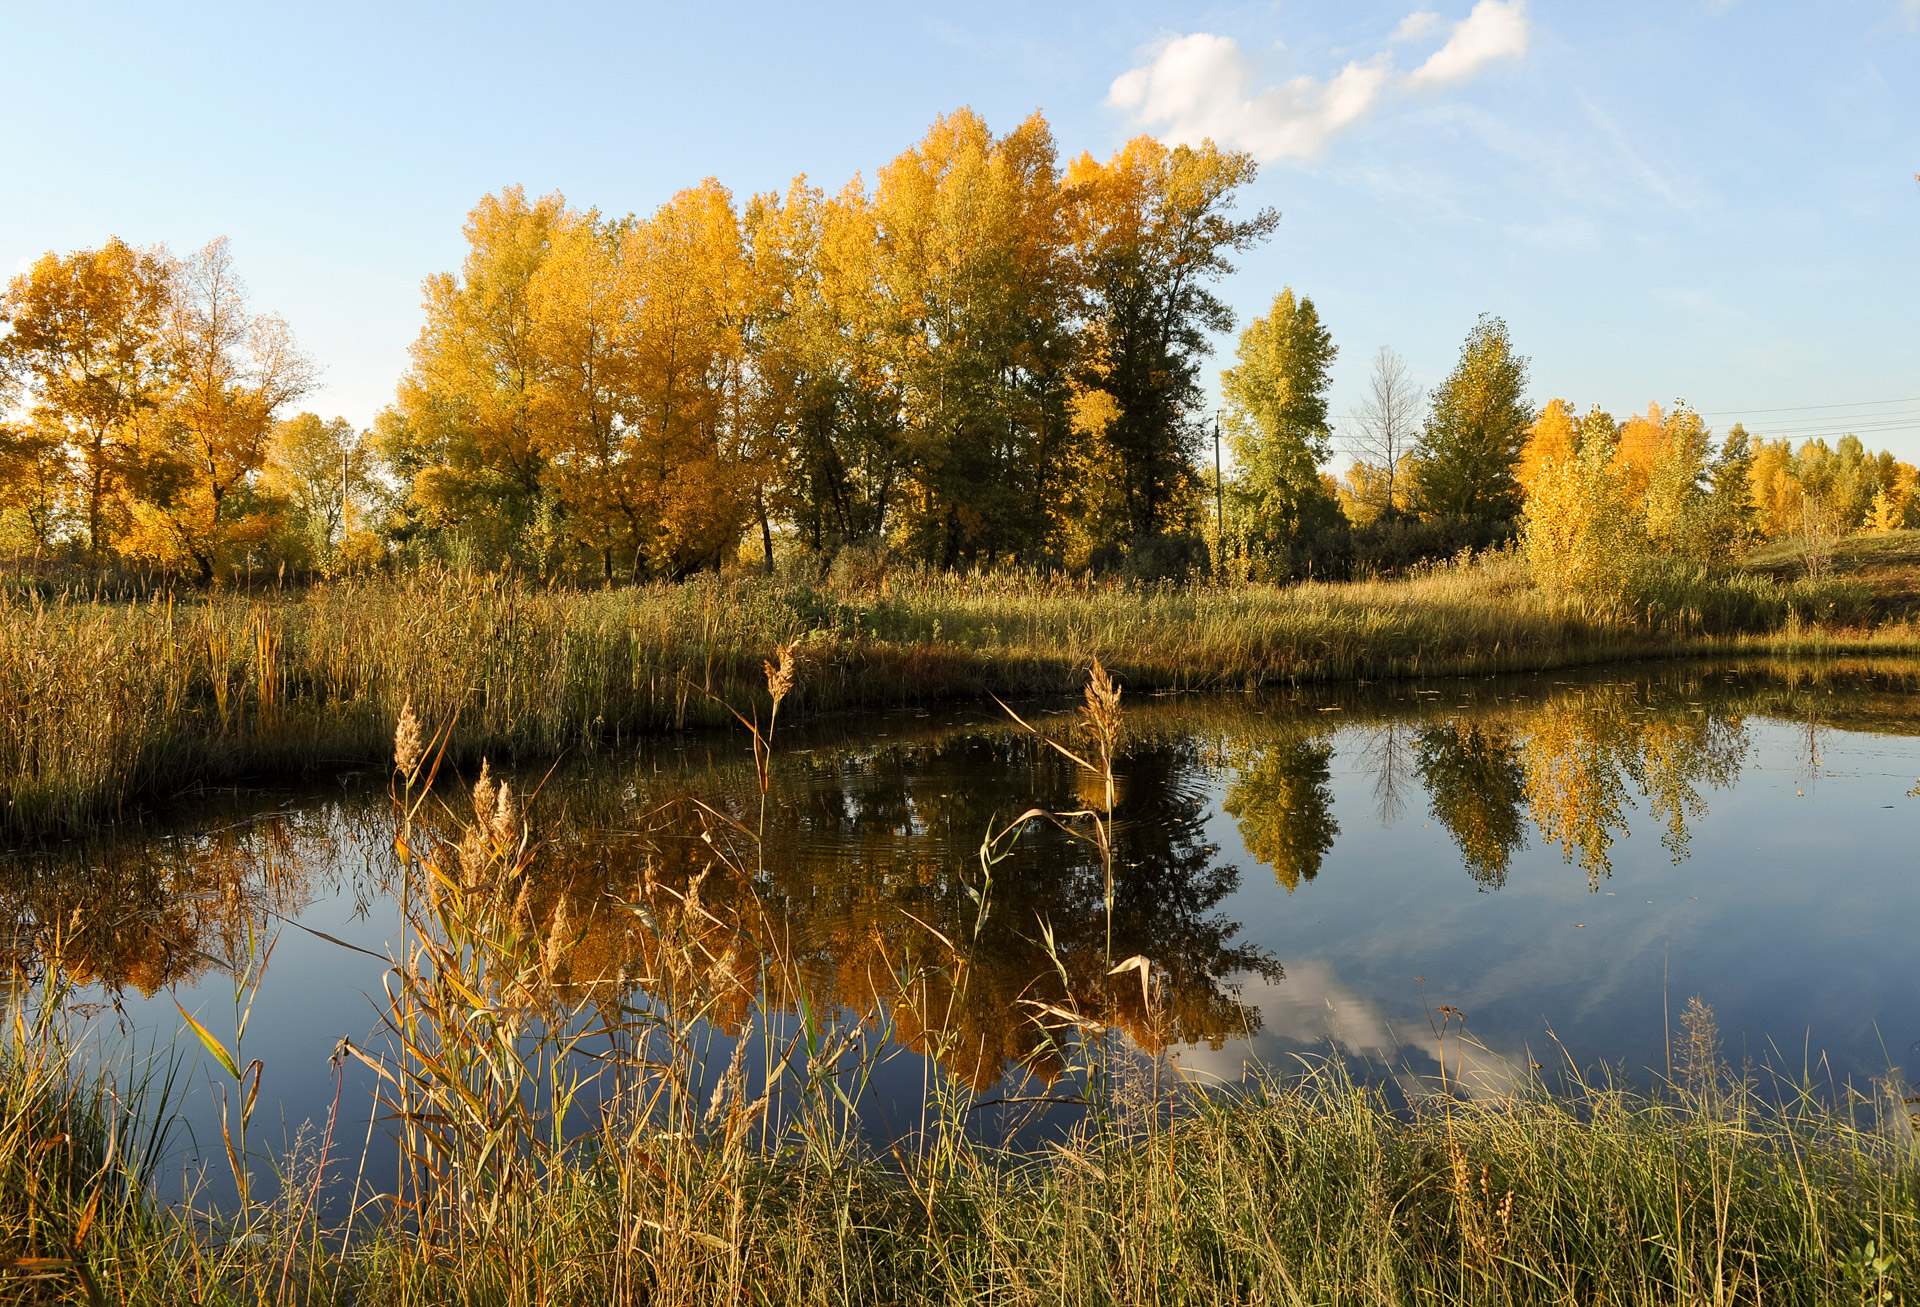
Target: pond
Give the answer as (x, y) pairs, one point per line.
(1552, 864)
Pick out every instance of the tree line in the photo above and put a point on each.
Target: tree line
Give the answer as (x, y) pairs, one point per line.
(985, 357)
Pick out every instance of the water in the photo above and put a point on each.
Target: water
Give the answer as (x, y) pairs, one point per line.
(1558, 861)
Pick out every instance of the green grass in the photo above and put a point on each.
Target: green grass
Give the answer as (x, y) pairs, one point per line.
(106, 704)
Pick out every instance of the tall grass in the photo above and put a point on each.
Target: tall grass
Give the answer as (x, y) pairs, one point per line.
(107, 703)
(569, 1137)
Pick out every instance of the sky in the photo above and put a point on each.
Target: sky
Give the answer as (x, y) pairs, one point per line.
(1711, 200)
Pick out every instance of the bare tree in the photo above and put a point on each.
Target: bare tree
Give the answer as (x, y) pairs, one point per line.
(1388, 417)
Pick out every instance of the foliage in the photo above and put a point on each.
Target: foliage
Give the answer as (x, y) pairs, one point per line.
(1276, 421)
(1475, 432)
(1584, 535)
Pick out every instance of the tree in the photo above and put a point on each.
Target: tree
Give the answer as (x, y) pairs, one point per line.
(459, 424)
(233, 371)
(827, 401)
(1553, 438)
(324, 471)
(1151, 230)
(683, 281)
(1582, 533)
(1387, 425)
(35, 479)
(1475, 431)
(84, 341)
(974, 261)
(1276, 420)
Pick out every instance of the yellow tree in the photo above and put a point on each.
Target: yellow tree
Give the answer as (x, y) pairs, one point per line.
(1554, 438)
(825, 447)
(36, 482)
(233, 370)
(1774, 488)
(458, 429)
(579, 402)
(684, 286)
(975, 264)
(84, 340)
(1893, 505)
(1581, 531)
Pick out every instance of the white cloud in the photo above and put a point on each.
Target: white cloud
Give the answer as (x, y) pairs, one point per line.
(1492, 31)
(1202, 86)
(1415, 25)
(1199, 86)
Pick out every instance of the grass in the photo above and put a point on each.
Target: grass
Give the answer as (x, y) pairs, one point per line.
(1887, 563)
(108, 704)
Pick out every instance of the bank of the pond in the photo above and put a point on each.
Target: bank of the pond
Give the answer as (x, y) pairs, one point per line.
(110, 703)
(1312, 1192)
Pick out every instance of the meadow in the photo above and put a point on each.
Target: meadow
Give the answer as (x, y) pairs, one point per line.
(110, 703)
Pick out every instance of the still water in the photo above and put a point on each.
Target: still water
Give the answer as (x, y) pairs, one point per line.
(1565, 859)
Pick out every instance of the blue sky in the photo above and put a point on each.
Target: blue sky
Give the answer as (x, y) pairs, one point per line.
(1695, 198)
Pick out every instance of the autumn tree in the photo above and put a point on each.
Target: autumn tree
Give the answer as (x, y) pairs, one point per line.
(1552, 439)
(1475, 431)
(1276, 420)
(232, 372)
(36, 482)
(1477, 791)
(458, 429)
(1283, 801)
(975, 265)
(84, 342)
(827, 450)
(1152, 230)
(683, 285)
(1582, 532)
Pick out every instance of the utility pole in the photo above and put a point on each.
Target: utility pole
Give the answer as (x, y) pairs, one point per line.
(1219, 499)
(343, 497)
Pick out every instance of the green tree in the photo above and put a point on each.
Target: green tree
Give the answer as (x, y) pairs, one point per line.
(325, 473)
(1276, 420)
(1476, 431)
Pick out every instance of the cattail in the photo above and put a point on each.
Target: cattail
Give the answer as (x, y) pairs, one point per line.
(780, 678)
(506, 818)
(483, 795)
(406, 741)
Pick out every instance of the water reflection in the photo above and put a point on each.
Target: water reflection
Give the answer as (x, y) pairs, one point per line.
(868, 870)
